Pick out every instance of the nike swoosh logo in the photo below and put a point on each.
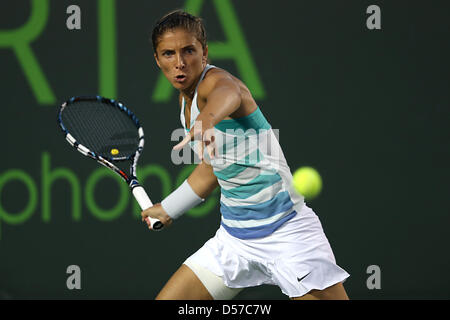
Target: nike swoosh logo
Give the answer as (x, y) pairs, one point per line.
(300, 279)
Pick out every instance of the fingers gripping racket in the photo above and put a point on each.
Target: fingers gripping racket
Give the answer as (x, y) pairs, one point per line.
(108, 132)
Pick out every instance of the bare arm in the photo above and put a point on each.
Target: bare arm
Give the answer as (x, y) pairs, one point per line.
(222, 99)
(202, 180)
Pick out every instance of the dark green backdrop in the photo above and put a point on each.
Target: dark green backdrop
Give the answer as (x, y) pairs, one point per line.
(368, 109)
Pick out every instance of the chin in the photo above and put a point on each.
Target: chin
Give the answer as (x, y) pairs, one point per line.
(179, 86)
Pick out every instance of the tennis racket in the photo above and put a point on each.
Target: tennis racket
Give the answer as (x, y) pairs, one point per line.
(108, 132)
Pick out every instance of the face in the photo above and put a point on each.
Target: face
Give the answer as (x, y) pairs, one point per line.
(181, 58)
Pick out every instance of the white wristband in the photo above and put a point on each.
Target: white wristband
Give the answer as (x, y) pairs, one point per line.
(180, 201)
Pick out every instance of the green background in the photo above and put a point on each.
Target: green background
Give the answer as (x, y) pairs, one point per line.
(368, 109)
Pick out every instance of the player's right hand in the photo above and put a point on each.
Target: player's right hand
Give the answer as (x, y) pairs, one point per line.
(156, 212)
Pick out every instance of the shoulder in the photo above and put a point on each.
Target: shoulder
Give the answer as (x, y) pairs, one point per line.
(215, 78)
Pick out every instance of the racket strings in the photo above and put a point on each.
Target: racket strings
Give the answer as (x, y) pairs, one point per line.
(102, 128)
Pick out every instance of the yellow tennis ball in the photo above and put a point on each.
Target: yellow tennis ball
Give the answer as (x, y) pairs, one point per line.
(114, 152)
(307, 182)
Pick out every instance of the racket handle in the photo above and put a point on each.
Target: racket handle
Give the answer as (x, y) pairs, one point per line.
(144, 202)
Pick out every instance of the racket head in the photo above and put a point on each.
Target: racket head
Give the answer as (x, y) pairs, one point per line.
(96, 126)
(105, 127)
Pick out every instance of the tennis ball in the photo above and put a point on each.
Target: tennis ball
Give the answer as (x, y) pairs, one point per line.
(114, 152)
(307, 182)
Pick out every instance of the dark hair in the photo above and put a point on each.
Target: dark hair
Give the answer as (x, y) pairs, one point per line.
(179, 19)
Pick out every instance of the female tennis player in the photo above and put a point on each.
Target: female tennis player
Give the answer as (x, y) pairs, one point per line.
(267, 233)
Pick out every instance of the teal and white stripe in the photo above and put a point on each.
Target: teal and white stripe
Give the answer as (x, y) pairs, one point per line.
(255, 198)
(259, 197)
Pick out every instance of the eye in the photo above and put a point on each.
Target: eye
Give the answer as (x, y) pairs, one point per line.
(167, 53)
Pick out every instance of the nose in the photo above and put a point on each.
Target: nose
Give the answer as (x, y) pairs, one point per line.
(180, 62)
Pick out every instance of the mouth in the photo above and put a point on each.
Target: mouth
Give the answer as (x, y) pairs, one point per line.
(180, 78)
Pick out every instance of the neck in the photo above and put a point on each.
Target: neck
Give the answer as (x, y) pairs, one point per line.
(189, 92)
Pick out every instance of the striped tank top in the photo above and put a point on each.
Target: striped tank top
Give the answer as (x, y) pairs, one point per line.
(257, 195)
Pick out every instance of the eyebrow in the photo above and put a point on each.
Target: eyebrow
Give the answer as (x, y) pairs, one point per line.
(170, 50)
(189, 46)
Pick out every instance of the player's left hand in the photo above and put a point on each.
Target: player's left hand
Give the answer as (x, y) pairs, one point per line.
(205, 136)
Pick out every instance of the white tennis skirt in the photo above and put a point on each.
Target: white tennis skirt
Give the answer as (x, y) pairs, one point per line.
(297, 257)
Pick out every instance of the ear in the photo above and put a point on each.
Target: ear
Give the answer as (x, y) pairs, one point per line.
(156, 59)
